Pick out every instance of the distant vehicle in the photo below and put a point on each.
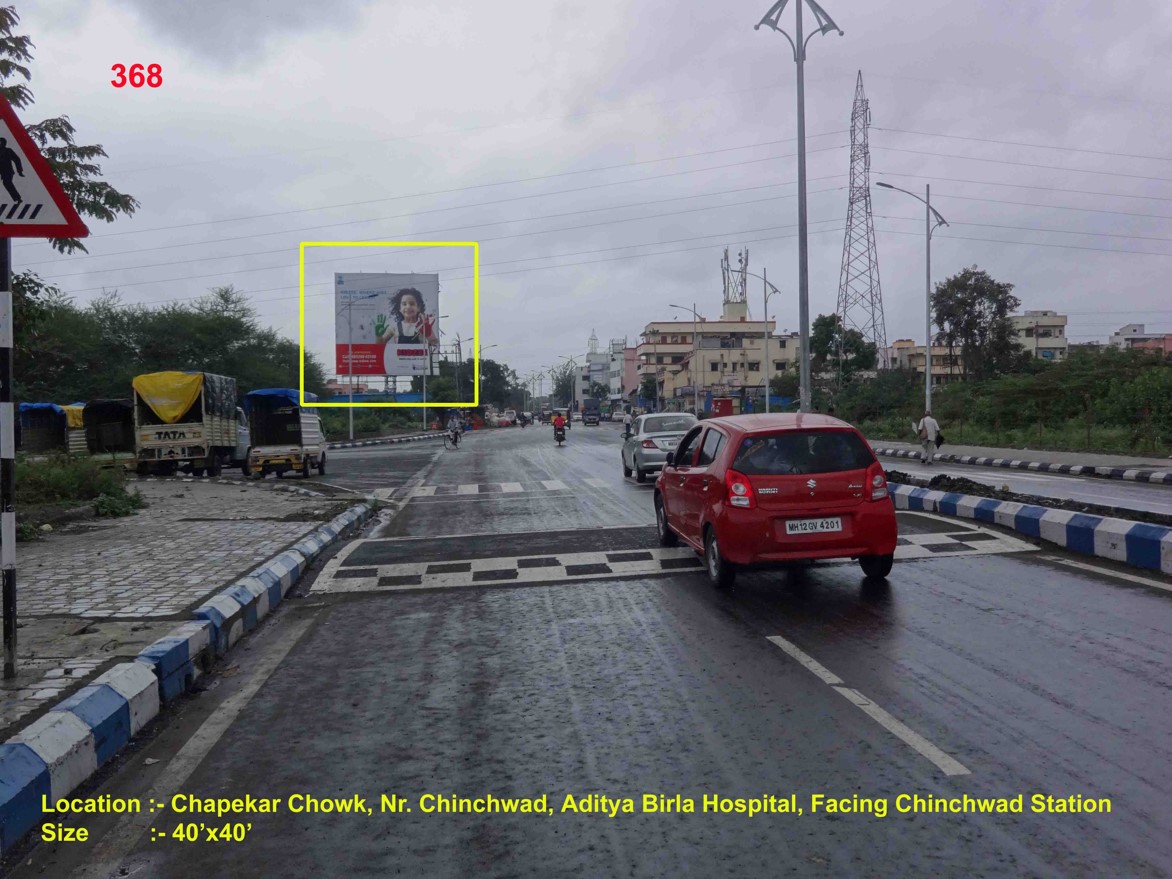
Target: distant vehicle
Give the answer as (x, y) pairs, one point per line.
(591, 411)
(510, 416)
(770, 489)
(546, 416)
(577, 416)
(651, 438)
(285, 436)
(184, 419)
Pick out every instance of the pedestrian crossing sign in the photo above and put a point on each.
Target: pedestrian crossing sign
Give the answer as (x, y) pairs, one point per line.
(32, 202)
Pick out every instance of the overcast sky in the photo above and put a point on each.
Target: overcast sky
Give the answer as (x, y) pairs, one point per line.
(577, 141)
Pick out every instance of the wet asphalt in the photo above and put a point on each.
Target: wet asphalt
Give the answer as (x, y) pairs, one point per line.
(1032, 675)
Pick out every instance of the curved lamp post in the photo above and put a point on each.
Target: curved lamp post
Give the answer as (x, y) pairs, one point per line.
(695, 370)
(825, 26)
(932, 220)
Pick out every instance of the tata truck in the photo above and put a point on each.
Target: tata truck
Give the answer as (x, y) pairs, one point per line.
(591, 412)
(184, 420)
(286, 437)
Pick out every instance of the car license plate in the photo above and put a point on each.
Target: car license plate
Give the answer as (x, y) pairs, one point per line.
(670, 444)
(813, 526)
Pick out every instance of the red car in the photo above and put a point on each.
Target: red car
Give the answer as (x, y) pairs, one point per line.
(764, 490)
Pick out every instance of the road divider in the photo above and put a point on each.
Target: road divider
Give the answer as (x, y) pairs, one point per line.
(63, 748)
(1132, 474)
(386, 440)
(1121, 540)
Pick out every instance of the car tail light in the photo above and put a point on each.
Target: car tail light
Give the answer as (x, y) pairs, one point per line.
(877, 481)
(649, 444)
(740, 490)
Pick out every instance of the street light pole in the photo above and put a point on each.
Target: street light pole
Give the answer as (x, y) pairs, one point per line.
(825, 25)
(932, 220)
(695, 355)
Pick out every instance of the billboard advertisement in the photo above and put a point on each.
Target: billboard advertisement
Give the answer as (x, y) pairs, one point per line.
(386, 324)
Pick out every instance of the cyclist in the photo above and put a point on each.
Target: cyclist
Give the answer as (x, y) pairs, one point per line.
(454, 429)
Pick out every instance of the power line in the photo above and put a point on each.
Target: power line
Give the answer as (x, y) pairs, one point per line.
(1040, 146)
(1035, 244)
(1056, 207)
(1035, 229)
(487, 185)
(414, 214)
(922, 176)
(1025, 164)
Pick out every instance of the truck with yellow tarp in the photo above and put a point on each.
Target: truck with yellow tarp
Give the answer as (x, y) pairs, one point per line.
(184, 419)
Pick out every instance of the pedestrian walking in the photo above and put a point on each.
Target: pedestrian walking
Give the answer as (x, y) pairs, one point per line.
(927, 430)
(9, 165)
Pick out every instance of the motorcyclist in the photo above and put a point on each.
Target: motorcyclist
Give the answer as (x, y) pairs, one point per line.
(559, 421)
(454, 427)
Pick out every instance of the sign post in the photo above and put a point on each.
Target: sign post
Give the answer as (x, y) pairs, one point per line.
(33, 205)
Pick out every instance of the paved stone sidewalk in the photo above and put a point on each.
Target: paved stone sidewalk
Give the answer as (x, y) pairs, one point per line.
(100, 590)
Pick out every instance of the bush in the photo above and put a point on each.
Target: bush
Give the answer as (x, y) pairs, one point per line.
(114, 506)
(59, 478)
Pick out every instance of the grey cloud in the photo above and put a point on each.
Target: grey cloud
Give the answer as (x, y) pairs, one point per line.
(239, 31)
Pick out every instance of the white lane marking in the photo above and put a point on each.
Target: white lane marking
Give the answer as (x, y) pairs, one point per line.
(905, 734)
(468, 488)
(908, 736)
(1107, 572)
(109, 854)
(383, 494)
(509, 487)
(597, 483)
(805, 659)
(554, 484)
(424, 491)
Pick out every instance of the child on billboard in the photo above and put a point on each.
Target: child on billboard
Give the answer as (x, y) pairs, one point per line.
(411, 325)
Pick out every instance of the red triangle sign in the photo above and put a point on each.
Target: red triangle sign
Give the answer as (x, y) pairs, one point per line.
(32, 202)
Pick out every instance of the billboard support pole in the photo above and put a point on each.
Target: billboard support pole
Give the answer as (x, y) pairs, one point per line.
(350, 360)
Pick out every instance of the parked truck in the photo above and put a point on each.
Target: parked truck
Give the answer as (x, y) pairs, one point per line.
(285, 436)
(184, 420)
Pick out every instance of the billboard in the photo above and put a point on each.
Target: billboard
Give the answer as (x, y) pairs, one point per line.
(386, 324)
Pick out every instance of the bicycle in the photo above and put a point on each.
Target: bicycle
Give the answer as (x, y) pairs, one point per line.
(451, 439)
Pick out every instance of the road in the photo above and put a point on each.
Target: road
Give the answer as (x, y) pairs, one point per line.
(515, 630)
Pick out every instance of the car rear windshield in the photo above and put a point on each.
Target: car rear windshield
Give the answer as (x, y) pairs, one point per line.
(668, 423)
(802, 451)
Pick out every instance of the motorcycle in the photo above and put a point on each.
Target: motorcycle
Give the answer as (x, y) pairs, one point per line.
(559, 434)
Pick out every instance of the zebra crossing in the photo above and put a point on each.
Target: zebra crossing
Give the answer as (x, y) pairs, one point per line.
(540, 486)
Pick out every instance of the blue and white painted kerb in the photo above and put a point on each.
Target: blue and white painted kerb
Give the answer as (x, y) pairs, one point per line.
(1136, 543)
(390, 440)
(1159, 477)
(56, 753)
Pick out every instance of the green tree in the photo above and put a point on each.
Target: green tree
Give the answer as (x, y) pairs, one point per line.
(564, 377)
(599, 391)
(827, 336)
(971, 311)
(784, 384)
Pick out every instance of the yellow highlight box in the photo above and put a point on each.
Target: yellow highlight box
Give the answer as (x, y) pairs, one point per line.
(475, 245)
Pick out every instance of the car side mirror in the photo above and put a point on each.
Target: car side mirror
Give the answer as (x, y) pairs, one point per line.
(671, 459)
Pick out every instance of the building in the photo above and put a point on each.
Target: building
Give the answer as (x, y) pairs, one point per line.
(337, 388)
(946, 365)
(1041, 333)
(725, 357)
(595, 368)
(623, 372)
(1134, 336)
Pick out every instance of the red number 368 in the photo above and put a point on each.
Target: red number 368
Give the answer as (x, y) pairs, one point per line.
(134, 76)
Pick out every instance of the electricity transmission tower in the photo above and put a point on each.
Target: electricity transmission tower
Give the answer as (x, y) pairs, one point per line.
(860, 299)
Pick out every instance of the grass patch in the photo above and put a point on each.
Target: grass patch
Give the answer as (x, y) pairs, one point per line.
(1070, 437)
(50, 487)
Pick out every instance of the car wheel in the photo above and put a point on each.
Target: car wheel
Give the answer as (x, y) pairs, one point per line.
(215, 466)
(667, 537)
(721, 574)
(876, 567)
(640, 475)
(244, 468)
(321, 465)
(626, 469)
(305, 468)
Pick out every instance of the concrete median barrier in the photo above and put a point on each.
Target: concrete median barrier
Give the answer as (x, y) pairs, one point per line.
(1121, 540)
